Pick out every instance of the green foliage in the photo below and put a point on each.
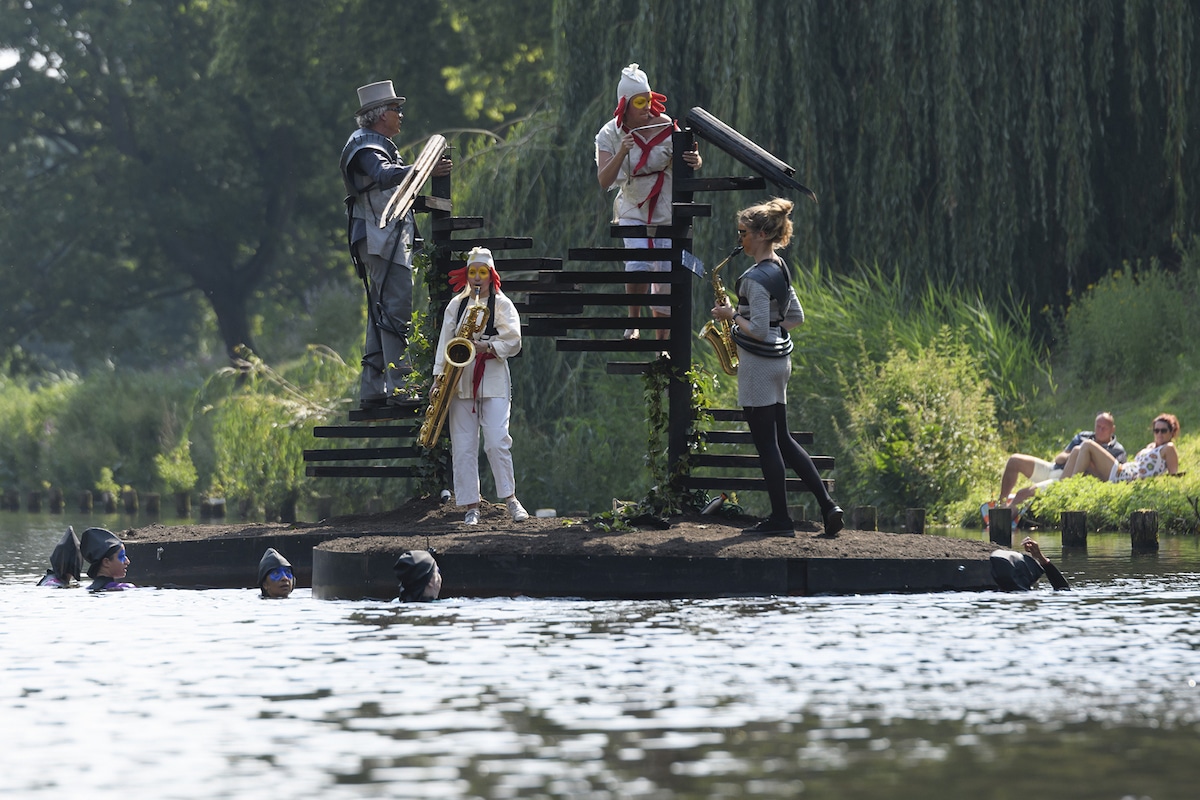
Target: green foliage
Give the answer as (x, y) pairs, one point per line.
(175, 468)
(261, 428)
(1109, 505)
(919, 429)
(1132, 323)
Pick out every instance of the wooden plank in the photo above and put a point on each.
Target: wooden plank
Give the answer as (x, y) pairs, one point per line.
(593, 299)
(599, 276)
(363, 472)
(618, 254)
(683, 231)
(691, 209)
(726, 184)
(492, 243)
(362, 454)
(743, 437)
(527, 264)
(745, 461)
(552, 326)
(457, 223)
(610, 345)
(728, 139)
(427, 202)
(745, 484)
(388, 412)
(364, 431)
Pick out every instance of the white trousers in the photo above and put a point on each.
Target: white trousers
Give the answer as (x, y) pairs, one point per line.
(466, 419)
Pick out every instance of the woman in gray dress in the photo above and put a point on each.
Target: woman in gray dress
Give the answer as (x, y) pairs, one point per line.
(767, 309)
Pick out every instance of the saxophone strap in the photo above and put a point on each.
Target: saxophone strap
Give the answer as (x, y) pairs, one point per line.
(776, 283)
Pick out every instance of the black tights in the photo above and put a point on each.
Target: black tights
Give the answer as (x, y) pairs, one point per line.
(775, 445)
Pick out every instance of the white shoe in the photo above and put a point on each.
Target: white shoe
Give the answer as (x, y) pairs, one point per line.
(516, 510)
(472, 517)
(633, 333)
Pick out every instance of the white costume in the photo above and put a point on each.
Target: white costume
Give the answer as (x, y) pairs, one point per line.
(488, 408)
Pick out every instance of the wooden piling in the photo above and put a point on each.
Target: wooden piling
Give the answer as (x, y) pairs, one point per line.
(110, 503)
(864, 518)
(1143, 531)
(56, 501)
(129, 498)
(1000, 526)
(85, 502)
(153, 503)
(34, 503)
(914, 521)
(183, 504)
(1073, 525)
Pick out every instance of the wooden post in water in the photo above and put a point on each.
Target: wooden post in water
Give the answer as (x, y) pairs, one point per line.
(864, 518)
(153, 503)
(183, 504)
(1074, 528)
(85, 502)
(56, 501)
(129, 498)
(110, 503)
(1143, 531)
(914, 521)
(35, 501)
(1000, 526)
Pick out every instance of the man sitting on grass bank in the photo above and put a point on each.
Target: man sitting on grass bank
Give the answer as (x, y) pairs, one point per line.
(1042, 473)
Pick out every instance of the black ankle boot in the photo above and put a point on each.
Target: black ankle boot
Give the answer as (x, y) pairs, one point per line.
(832, 517)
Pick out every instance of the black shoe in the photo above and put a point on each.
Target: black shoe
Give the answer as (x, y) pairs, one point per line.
(373, 402)
(773, 527)
(833, 521)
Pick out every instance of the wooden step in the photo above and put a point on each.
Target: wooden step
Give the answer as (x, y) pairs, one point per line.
(744, 484)
(725, 184)
(492, 243)
(363, 472)
(362, 454)
(745, 461)
(366, 431)
(744, 437)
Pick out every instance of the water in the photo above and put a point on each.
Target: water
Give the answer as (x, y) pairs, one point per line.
(220, 694)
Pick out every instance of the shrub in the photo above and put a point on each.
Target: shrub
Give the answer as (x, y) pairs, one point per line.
(920, 429)
(1128, 324)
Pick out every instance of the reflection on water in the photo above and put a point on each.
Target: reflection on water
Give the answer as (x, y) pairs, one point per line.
(219, 694)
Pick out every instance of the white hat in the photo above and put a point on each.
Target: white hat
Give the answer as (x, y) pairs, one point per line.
(377, 94)
(633, 81)
(480, 255)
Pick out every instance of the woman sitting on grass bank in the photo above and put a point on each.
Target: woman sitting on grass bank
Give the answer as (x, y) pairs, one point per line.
(1157, 458)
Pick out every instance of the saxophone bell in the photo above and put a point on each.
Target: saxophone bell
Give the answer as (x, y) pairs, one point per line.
(719, 333)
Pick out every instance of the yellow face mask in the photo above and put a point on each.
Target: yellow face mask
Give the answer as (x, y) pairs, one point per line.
(640, 101)
(479, 272)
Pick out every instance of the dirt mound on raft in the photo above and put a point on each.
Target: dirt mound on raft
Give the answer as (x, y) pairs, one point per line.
(427, 522)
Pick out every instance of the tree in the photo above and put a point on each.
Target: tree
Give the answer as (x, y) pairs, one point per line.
(160, 153)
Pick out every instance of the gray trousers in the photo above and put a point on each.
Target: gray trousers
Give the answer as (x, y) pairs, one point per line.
(389, 315)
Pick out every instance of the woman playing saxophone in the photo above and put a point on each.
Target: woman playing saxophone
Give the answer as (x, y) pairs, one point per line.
(482, 396)
(767, 309)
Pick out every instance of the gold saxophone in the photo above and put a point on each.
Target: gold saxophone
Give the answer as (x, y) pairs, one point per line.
(460, 351)
(719, 333)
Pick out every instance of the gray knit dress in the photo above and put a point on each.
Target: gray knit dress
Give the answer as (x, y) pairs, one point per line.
(763, 381)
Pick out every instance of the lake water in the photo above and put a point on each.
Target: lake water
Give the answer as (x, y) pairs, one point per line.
(220, 694)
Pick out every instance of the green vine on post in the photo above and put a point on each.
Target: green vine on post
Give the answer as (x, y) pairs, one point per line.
(667, 495)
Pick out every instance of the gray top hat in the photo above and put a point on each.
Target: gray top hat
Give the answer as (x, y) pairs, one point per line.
(377, 94)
